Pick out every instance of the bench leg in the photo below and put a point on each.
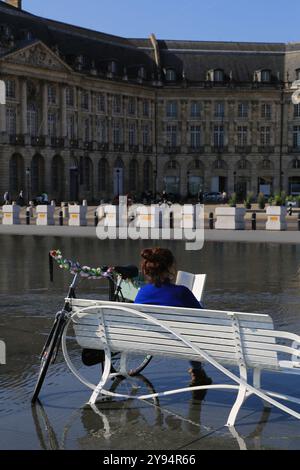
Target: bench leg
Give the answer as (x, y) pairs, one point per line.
(241, 397)
(104, 378)
(257, 384)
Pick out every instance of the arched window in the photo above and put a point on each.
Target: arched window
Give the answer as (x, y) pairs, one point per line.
(16, 174)
(296, 164)
(148, 172)
(87, 174)
(57, 173)
(133, 175)
(103, 175)
(37, 175)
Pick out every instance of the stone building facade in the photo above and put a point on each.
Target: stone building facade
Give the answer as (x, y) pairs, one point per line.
(91, 115)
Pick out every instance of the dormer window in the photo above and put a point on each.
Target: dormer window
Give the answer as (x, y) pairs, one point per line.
(266, 76)
(170, 75)
(218, 75)
(142, 73)
(113, 67)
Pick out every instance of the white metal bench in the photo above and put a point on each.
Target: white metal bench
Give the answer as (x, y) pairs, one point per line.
(223, 339)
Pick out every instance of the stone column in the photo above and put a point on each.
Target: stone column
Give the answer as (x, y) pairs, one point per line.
(45, 110)
(63, 112)
(24, 107)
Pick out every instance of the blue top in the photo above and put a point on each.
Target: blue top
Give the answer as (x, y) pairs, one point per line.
(168, 294)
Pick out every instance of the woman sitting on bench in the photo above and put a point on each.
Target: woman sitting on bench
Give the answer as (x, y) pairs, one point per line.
(159, 268)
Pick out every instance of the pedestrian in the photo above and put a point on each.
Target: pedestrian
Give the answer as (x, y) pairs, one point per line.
(20, 199)
(224, 197)
(6, 198)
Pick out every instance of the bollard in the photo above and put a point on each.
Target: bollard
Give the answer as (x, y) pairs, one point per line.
(299, 221)
(290, 210)
(96, 219)
(171, 220)
(254, 221)
(61, 218)
(211, 220)
(27, 216)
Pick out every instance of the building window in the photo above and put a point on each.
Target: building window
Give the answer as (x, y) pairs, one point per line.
(132, 133)
(172, 165)
(219, 109)
(219, 75)
(243, 110)
(170, 75)
(52, 124)
(51, 94)
(195, 109)
(11, 120)
(87, 130)
(131, 106)
(146, 134)
(10, 89)
(142, 73)
(101, 131)
(296, 164)
(146, 108)
(297, 74)
(296, 110)
(117, 104)
(117, 133)
(266, 111)
(265, 76)
(101, 103)
(195, 136)
(85, 100)
(171, 109)
(32, 120)
(172, 136)
(242, 136)
(265, 136)
(70, 96)
(148, 171)
(296, 136)
(71, 127)
(219, 136)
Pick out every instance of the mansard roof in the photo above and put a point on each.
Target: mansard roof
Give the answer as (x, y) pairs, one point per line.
(193, 59)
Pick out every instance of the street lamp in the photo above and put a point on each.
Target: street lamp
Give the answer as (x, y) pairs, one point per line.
(28, 173)
(188, 183)
(155, 183)
(118, 181)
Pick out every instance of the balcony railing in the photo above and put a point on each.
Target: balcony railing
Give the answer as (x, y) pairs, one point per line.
(17, 140)
(266, 149)
(219, 149)
(133, 148)
(119, 147)
(243, 149)
(171, 150)
(37, 141)
(147, 149)
(196, 149)
(57, 142)
(294, 149)
(103, 146)
(74, 144)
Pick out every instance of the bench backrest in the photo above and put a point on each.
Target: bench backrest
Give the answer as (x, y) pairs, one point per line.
(218, 333)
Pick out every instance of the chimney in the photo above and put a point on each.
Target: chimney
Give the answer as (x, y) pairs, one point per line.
(15, 3)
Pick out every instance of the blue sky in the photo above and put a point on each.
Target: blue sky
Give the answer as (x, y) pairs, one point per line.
(226, 20)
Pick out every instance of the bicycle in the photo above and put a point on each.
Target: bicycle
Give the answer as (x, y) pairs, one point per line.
(116, 276)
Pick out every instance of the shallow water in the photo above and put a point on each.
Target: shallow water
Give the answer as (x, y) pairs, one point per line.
(243, 277)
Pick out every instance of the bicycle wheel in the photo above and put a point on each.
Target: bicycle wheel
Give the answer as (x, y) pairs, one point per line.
(46, 359)
(135, 363)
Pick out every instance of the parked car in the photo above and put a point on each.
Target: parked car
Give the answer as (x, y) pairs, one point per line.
(212, 197)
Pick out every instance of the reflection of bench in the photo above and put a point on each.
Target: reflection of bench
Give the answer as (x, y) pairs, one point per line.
(223, 339)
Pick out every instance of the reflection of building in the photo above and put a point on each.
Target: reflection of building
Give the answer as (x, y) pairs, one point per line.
(92, 114)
